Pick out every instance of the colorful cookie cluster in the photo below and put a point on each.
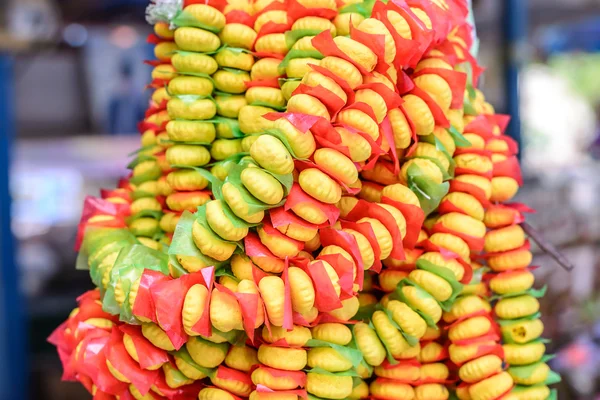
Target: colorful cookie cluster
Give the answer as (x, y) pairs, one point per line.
(316, 212)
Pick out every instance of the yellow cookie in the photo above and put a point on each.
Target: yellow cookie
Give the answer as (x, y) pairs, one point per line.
(193, 307)
(205, 353)
(369, 344)
(157, 336)
(329, 386)
(288, 359)
(302, 290)
(225, 312)
(332, 332)
(210, 244)
(272, 290)
(221, 224)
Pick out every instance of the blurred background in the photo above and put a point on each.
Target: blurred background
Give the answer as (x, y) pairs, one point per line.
(72, 90)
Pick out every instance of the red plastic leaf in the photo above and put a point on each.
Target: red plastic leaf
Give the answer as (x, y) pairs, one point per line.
(475, 191)
(148, 354)
(405, 49)
(367, 231)
(480, 126)
(414, 217)
(248, 303)
(296, 10)
(449, 255)
(345, 271)
(272, 83)
(270, 231)
(509, 167)
(298, 196)
(324, 43)
(375, 42)
(203, 326)
(93, 206)
(325, 297)
(280, 217)
(239, 17)
(298, 376)
(333, 102)
(271, 27)
(302, 122)
(144, 304)
(385, 130)
(438, 113)
(365, 209)
(474, 243)
(455, 79)
(118, 357)
(268, 393)
(346, 241)
(231, 374)
(337, 79)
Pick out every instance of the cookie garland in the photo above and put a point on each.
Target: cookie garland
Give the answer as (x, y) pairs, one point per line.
(281, 238)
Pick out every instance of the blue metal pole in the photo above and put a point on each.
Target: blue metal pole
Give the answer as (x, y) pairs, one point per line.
(515, 53)
(13, 348)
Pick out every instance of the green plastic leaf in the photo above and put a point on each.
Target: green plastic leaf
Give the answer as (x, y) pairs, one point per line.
(141, 150)
(524, 371)
(191, 98)
(468, 108)
(268, 105)
(552, 378)
(144, 214)
(313, 397)
(129, 266)
(430, 194)
(146, 176)
(553, 395)
(296, 53)
(281, 136)
(140, 194)
(321, 371)
(353, 355)
(448, 276)
(254, 205)
(139, 159)
(452, 164)
(234, 158)
(185, 18)
(537, 293)
(201, 219)
(191, 73)
(234, 70)
(458, 137)
(365, 8)
(185, 356)
(182, 243)
(292, 36)
(478, 275)
(364, 313)
(470, 89)
(445, 172)
(507, 322)
(226, 271)
(286, 180)
(232, 123)
(411, 340)
(214, 182)
(176, 270)
(237, 50)
(398, 295)
(205, 144)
